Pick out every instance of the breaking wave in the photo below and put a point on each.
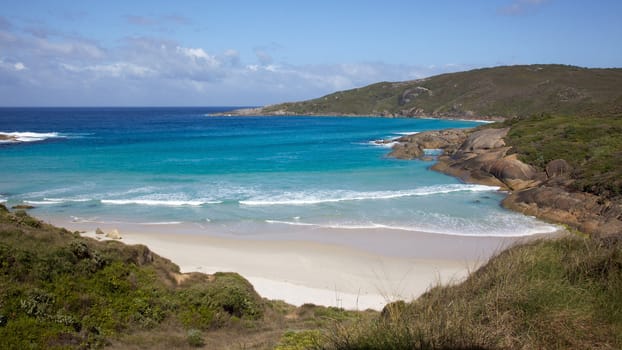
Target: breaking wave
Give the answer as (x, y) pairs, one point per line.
(27, 136)
(154, 202)
(310, 198)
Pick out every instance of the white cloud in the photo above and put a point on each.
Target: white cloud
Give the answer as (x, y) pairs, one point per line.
(194, 53)
(116, 70)
(69, 48)
(198, 54)
(151, 71)
(263, 56)
(12, 66)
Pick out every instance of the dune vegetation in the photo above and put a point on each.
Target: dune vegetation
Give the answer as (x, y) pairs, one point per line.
(548, 294)
(591, 145)
(59, 290)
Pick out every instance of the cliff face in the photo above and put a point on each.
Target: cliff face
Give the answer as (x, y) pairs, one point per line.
(482, 156)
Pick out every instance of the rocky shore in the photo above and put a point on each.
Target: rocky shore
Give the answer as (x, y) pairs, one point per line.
(414, 113)
(482, 156)
(7, 138)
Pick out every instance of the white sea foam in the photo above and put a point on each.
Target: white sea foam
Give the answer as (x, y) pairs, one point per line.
(96, 220)
(406, 133)
(43, 202)
(153, 202)
(306, 198)
(432, 151)
(93, 220)
(475, 231)
(289, 223)
(161, 223)
(383, 143)
(62, 200)
(52, 201)
(28, 136)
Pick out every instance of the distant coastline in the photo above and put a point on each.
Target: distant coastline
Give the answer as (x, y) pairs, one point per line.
(265, 111)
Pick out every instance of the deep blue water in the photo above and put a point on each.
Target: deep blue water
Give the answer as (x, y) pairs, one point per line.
(228, 174)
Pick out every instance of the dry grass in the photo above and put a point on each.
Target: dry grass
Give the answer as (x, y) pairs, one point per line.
(550, 294)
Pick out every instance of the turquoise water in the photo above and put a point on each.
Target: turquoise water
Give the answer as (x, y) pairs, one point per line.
(226, 175)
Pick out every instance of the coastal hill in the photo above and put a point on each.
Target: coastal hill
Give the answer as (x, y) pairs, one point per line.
(487, 93)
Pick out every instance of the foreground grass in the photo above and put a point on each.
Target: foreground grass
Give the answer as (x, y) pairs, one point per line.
(549, 294)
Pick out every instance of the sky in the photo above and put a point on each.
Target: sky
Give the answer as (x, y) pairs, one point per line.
(251, 53)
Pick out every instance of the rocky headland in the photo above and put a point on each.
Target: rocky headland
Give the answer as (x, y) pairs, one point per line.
(482, 156)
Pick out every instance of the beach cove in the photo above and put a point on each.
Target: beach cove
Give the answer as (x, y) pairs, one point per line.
(310, 210)
(382, 266)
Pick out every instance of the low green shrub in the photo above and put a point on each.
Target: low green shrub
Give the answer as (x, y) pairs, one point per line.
(59, 290)
(195, 338)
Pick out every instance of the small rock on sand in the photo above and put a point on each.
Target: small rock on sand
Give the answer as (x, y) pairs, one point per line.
(114, 234)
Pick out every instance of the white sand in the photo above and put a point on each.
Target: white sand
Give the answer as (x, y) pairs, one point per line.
(301, 272)
(353, 269)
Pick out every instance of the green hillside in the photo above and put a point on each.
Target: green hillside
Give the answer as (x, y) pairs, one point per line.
(591, 145)
(490, 92)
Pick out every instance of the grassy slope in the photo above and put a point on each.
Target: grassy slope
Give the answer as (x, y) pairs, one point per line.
(551, 294)
(500, 91)
(59, 290)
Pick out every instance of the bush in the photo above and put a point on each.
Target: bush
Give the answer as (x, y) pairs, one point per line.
(195, 338)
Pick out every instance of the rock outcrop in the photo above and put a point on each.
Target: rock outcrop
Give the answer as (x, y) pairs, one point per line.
(23, 207)
(482, 156)
(7, 138)
(413, 146)
(114, 234)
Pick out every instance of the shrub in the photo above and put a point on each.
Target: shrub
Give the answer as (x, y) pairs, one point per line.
(195, 338)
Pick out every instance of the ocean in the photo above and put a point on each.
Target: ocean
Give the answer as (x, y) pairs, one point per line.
(184, 168)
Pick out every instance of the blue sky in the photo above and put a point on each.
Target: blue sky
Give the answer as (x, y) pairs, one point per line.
(233, 52)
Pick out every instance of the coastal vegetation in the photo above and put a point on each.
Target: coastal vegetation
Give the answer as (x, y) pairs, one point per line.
(547, 294)
(591, 145)
(59, 290)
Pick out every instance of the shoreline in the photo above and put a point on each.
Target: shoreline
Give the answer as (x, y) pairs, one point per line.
(258, 112)
(310, 269)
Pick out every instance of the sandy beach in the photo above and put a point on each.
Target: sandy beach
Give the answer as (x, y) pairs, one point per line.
(353, 269)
